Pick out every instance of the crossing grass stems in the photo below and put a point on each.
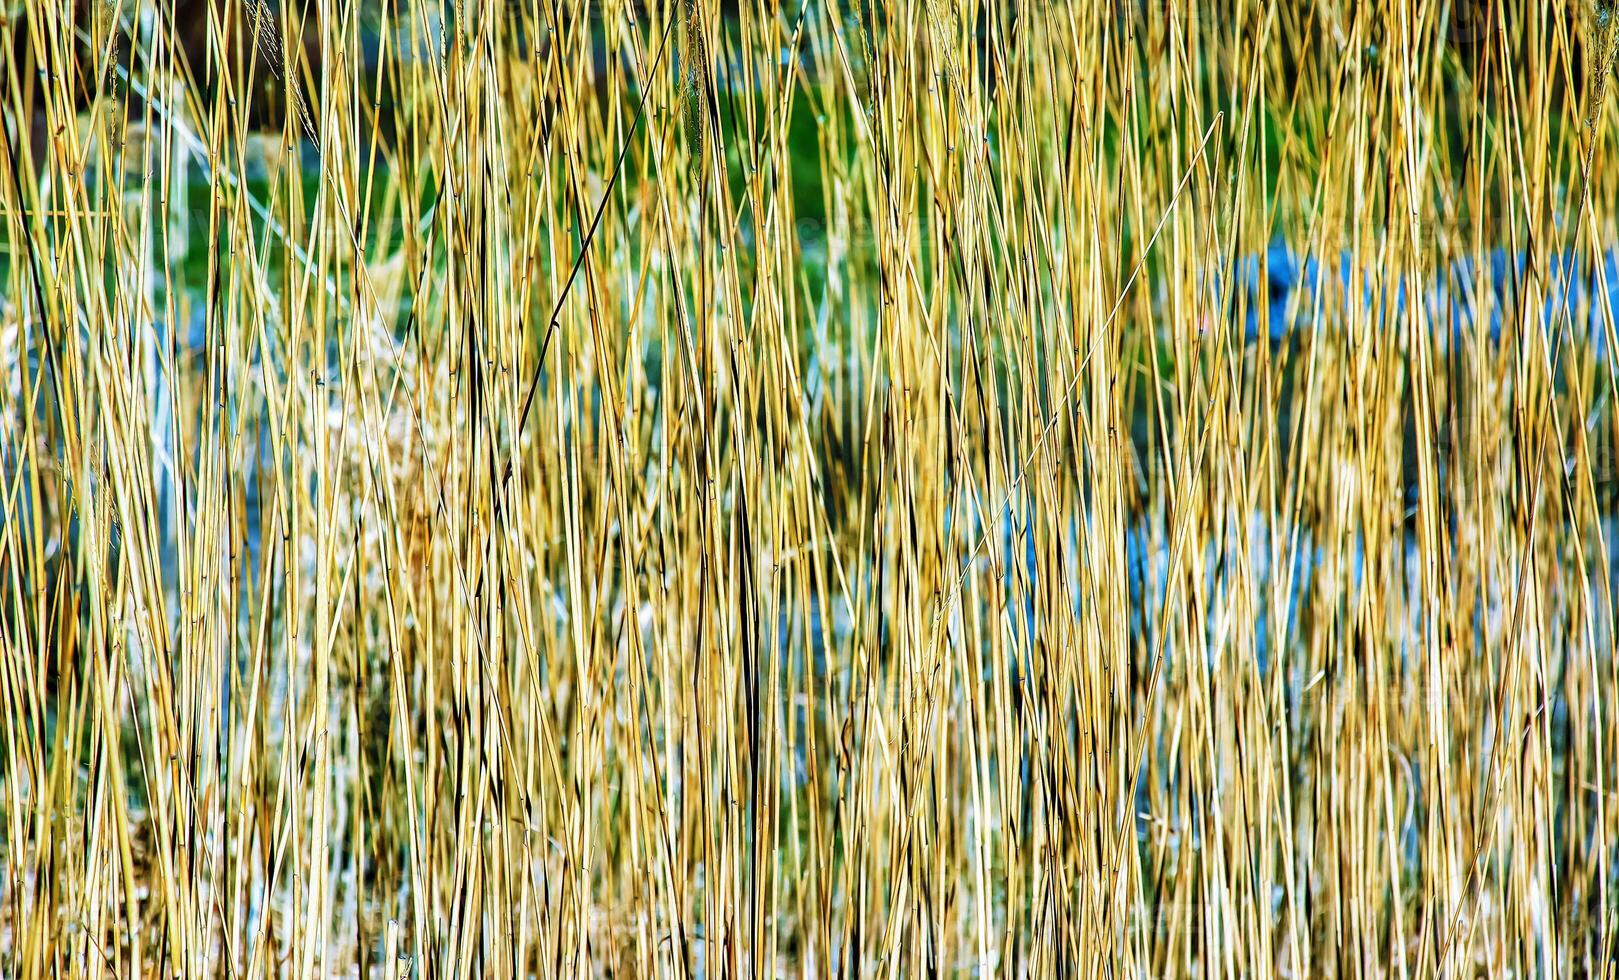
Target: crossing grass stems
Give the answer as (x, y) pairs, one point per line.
(475, 531)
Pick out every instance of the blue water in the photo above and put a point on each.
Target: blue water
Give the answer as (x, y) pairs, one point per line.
(1281, 292)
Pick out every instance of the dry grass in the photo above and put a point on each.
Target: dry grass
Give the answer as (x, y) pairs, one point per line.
(659, 490)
